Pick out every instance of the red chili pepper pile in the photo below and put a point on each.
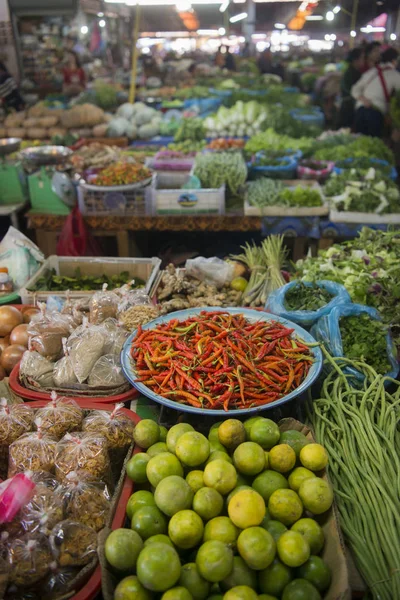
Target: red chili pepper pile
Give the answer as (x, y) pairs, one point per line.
(217, 359)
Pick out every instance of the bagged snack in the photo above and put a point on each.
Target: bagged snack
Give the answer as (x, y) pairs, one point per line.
(114, 426)
(107, 372)
(46, 332)
(30, 558)
(45, 478)
(43, 511)
(56, 582)
(83, 451)
(15, 420)
(63, 372)
(86, 501)
(33, 451)
(36, 369)
(116, 336)
(136, 308)
(60, 416)
(85, 348)
(73, 544)
(103, 305)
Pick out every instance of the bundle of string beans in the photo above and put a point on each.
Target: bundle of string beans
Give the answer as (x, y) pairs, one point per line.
(360, 430)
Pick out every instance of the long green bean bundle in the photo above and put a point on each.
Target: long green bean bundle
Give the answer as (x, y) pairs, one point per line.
(360, 430)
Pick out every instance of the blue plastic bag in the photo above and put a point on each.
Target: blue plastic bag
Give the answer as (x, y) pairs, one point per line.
(327, 331)
(306, 318)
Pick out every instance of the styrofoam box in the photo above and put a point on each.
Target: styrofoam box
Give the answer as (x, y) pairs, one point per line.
(290, 211)
(339, 216)
(145, 268)
(168, 198)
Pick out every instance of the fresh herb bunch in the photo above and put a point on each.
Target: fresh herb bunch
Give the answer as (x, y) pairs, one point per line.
(216, 168)
(361, 166)
(52, 282)
(364, 339)
(301, 196)
(264, 192)
(280, 119)
(362, 147)
(306, 297)
(191, 129)
(270, 140)
(369, 193)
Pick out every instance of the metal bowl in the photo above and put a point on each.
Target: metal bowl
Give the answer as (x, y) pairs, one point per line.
(45, 155)
(9, 145)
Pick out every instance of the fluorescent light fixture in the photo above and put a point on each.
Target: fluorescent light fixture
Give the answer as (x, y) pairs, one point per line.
(259, 36)
(336, 9)
(102, 23)
(207, 32)
(279, 26)
(238, 17)
(393, 37)
(353, 33)
(84, 29)
(183, 6)
(370, 29)
(224, 6)
(330, 15)
(100, 14)
(221, 31)
(314, 18)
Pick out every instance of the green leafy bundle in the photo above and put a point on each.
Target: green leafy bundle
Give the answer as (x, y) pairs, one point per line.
(216, 168)
(356, 333)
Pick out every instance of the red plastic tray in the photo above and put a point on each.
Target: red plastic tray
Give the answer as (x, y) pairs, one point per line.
(93, 586)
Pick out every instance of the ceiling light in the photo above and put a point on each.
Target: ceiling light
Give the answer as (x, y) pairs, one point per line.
(238, 17)
(279, 26)
(393, 37)
(221, 31)
(330, 15)
(84, 29)
(370, 29)
(183, 6)
(353, 33)
(314, 18)
(224, 6)
(102, 23)
(333, 37)
(340, 43)
(100, 14)
(336, 9)
(327, 37)
(207, 32)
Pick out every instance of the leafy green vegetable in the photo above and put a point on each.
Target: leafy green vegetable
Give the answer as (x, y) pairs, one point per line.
(306, 297)
(265, 192)
(190, 129)
(243, 119)
(216, 168)
(301, 196)
(196, 91)
(357, 333)
(361, 165)
(270, 140)
(52, 282)
(362, 147)
(280, 119)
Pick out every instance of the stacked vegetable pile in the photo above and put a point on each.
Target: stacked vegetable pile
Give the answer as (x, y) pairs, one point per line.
(14, 338)
(215, 169)
(135, 121)
(239, 121)
(270, 140)
(267, 192)
(181, 545)
(123, 173)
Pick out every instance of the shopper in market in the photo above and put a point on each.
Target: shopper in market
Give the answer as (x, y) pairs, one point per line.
(74, 75)
(372, 56)
(355, 60)
(9, 93)
(372, 94)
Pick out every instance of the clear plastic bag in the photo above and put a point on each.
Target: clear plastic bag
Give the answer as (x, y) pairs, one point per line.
(83, 451)
(37, 369)
(56, 581)
(138, 314)
(276, 302)
(103, 305)
(46, 332)
(129, 298)
(116, 336)
(33, 451)
(45, 478)
(73, 544)
(107, 372)
(60, 416)
(63, 372)
(85, 347)
(114, 426)
(30, 558)
(213, 270)
(15, 420)
(86, 501)
(43, 511)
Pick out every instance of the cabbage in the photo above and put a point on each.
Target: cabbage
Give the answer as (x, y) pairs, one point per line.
(117, 127)
(126, 111)
(147, 131)
(131, 131)
(144, 115)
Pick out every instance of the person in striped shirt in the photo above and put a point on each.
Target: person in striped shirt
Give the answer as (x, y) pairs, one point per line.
(9, 93)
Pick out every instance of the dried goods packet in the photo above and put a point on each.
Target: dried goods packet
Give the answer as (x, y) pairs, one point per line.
(83, 451)
(37, 369)
(15, 420)
(63, 371)
(116, 336)
(103, 305)
(46, 332)
(30, 558)
(86, 501)
(73, 544)
(43, 511)
(57, 581)
(33, 451)
(60, 416)
(107, 372)
(85, 347)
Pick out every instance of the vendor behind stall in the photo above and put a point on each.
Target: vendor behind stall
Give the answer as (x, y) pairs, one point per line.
(74, 75)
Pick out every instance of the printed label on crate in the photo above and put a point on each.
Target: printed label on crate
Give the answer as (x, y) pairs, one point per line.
(188, 200)
(115, 201)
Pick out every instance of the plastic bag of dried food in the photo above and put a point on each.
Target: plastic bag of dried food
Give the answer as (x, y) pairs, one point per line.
(43, 511)
(63, 372)
(37, 369)
(116, 336)
(86, 501)
(103, 305)
(73, 544)
(33, 451)
(56, 582)
(15, 420)
(107, 372)
(116, 427)
(46, 332)
(30, 558)
(60, 416)
(130, 298)
(83, 451)
(85, 348)
(138, 314)
(45, 478)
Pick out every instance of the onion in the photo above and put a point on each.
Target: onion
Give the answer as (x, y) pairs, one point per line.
(19, 336)
(11, 356)
(10, 317)
(29, 313)
(4, 343)
(2, 373)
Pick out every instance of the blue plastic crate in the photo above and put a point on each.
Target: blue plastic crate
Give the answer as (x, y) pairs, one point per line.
(221, 93)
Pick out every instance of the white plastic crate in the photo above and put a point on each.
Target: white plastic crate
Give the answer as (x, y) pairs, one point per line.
(290, 211)
(167, 198)
(144, 268)
(121, 200)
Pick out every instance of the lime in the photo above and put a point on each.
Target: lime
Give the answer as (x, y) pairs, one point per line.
(231, 433)
(214, 561)
(285, 506)
(300, 589)
(294, 439)
(314, 457)
(239, 284)
(196, 480)
(137, 500)
(158, 567)
(219, 455)
(282, 458)
(274, 578)
(146, 433)
(216, 446)
(173, 494)
(241, 592)
(268, 482)
(148, 521)
(122, 549)
(186, 529)
(241, 574)
(265, 520)
(257, 547)
(297, 476)
(293, 550)
(316, 495)
(317, 572)
(192, 580)
(312, 532)
(276, 529)
(161, 466)
(246, 509)
(192, 448)
(163, 433)
(248, 424)
(208, 503)
(220, 475)
(136, 467)
(266, 454)
(159, 538)
(249, 458)
(157, 449)
(130, 588)
(221, 529)
(213, 434)
(235, 490)
(265, 433)
(175, 433)
(177, 593)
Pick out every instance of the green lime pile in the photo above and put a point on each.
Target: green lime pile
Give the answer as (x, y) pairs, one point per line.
(224, 517)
